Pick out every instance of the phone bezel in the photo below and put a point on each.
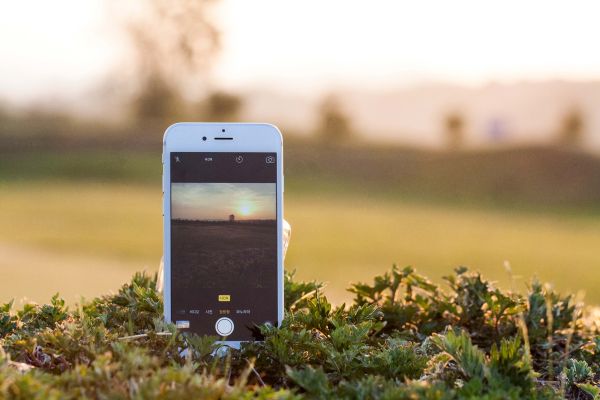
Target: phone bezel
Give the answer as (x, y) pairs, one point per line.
(247, 137)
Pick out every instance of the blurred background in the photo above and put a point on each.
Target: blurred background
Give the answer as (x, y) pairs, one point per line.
(432, 134)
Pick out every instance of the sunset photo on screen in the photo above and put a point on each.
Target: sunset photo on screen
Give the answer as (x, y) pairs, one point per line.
(223, 235)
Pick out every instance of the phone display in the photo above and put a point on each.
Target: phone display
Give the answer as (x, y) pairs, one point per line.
(224, 259)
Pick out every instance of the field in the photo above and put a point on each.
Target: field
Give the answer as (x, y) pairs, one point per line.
(83, 238)
(223, 255)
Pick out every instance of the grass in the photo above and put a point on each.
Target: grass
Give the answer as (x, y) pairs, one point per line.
(337, 238)
(81, 166)
(75, 238)
(401, 337)
(103, 219)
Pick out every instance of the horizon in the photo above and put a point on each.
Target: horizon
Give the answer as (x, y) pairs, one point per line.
(210, 201)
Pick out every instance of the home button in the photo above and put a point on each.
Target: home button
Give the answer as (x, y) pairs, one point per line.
(224, 326)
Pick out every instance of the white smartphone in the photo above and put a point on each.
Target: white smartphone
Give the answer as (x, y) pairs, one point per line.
(223, 225)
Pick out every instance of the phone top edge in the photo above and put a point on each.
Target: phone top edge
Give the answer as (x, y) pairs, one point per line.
(186, 128)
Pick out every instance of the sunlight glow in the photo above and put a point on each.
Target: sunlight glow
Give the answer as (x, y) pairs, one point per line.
(313, 45)
(245, 208)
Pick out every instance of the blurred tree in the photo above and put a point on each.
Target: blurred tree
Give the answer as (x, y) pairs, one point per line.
(454, 127)
(221, 106)
(173, 43)
(155, 100)
(334, 123)
(572, 128)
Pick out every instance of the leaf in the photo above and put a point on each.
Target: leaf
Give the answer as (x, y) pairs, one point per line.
(590, 389)
(313, 381)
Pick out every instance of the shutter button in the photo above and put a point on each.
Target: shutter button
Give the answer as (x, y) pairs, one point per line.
(224, 326)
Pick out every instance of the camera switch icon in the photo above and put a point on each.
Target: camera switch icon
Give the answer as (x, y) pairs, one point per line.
(270, 160)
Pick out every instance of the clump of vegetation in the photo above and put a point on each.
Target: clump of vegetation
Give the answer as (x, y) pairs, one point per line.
(402, 337)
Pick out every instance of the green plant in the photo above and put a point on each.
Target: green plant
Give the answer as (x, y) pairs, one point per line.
(403, 337)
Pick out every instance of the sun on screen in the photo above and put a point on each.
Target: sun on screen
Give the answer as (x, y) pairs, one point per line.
(245, 208)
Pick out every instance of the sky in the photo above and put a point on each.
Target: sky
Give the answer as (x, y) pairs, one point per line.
(64, 48)
(216, 201)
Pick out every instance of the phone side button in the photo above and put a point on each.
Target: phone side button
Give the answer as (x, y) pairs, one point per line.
(224, 326)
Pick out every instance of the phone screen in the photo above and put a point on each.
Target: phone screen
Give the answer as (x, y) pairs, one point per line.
(224, 242)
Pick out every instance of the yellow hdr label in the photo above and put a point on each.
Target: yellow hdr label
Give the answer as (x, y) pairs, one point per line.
(224, 297)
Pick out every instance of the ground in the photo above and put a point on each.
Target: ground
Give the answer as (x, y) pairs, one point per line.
(94, 234)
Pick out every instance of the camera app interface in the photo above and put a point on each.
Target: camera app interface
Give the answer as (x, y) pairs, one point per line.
(223, 242)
